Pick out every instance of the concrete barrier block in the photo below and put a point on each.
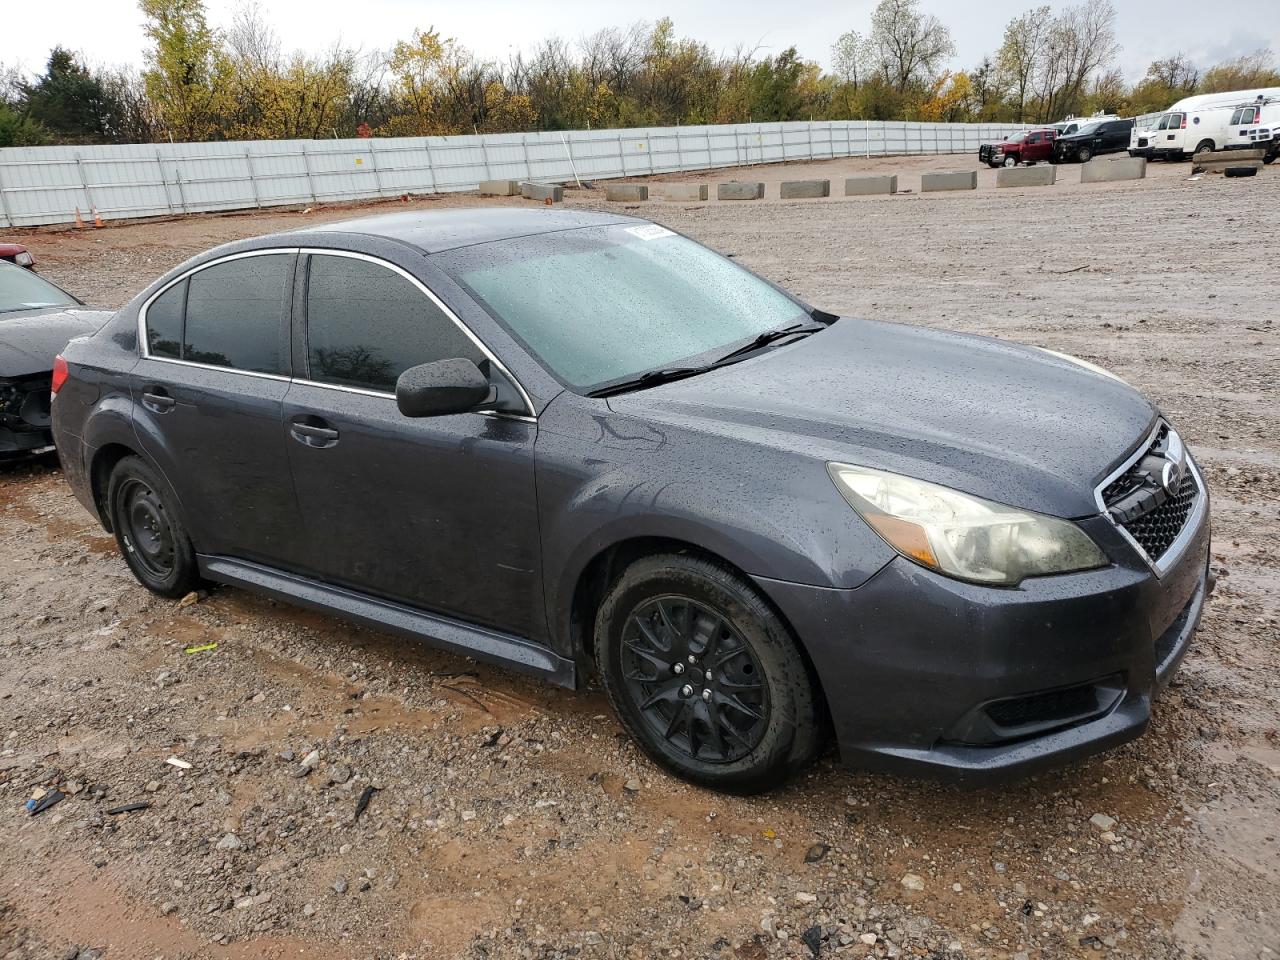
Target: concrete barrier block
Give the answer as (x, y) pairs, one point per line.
(1102, 170)
(1041, 175)
(868, 186)
(500, 188)
(739, 190)
(542, 192)
(626, 192)
(954, 180)
(684, 191)
(804, 189)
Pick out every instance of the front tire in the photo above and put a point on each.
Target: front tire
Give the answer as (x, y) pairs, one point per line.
(148, 530)
(705, 676)
(1010, 161)
(1084, 154)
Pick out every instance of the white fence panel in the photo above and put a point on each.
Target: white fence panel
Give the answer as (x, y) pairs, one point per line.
(44, 185)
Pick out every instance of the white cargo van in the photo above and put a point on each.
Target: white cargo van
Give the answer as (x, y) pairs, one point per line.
(1197, 123)
(1256, 126)
(1142, 134)
(1182, 133)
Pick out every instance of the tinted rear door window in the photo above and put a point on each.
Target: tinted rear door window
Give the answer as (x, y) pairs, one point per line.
(367, 324)
(164, 322)
(236, 314)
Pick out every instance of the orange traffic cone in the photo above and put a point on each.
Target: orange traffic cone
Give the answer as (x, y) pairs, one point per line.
(97, 220)
(79, 220)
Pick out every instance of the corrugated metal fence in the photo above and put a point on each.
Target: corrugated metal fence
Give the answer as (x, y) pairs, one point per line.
(40, 185)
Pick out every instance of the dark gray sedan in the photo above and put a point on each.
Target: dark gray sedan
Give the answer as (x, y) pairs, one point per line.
(570, 442)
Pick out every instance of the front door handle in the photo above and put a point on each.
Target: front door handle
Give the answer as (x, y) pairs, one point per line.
(157, 400)
(313, 434)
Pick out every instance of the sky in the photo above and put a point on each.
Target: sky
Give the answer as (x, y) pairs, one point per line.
(110, 31)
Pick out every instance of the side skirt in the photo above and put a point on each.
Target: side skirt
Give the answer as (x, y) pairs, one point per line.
(502, 649)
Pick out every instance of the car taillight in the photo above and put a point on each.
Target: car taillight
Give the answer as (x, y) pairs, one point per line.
(59, 375)
(1183, 125)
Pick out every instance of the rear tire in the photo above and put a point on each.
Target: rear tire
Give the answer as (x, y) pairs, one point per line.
(148, 530)
(1205, 146)
(704, 676)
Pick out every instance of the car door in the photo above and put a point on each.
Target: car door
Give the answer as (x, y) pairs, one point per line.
(438, 513)
(207, 395)
(1033, 147)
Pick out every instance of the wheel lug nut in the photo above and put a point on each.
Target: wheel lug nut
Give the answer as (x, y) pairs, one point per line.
(686, 691)
(709, 677)
(692, 658)
(678, 668)
(706, 694)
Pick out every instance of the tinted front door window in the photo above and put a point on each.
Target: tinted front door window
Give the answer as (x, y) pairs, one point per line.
(234, 313)
(438, 513)
(367, 324)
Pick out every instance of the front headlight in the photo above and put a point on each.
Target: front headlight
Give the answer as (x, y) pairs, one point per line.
(962, 536)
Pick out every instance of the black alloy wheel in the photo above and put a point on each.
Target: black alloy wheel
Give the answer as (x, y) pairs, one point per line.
(705, 676)
(697, 684)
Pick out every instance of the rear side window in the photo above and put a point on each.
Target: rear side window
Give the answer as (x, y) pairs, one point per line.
(164, 322)
(236, 314)
(367, 324)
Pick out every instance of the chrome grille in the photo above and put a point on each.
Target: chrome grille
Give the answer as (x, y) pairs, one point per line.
(1137, 501)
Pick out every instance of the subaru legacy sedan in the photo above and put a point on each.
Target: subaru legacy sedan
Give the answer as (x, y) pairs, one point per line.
(574, 443)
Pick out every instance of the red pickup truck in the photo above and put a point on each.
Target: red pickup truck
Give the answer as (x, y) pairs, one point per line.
(1030, 146)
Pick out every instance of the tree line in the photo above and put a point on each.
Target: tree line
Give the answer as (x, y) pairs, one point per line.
(200, 83)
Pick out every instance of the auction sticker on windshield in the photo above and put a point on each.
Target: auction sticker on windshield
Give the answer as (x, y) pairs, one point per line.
(650, 231)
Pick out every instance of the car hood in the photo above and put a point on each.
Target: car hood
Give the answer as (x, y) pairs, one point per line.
(998, 420)
(30, 339)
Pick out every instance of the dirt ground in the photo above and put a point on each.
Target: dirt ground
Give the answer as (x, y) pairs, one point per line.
(515, 820)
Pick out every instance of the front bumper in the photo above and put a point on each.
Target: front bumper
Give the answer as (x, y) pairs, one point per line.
(927, 675)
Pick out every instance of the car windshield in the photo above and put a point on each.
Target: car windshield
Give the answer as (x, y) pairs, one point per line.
(1016, 138)
(600, 305)
(1087, 129)
(20, 289)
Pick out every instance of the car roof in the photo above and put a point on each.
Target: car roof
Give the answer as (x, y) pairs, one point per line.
(435, 231)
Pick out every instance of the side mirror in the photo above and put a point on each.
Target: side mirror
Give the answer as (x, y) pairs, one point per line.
(442, 387)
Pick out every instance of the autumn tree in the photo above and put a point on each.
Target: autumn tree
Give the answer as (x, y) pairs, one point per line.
(912, 46)
(1257, 69)
(186, 69)
(1166, 81)
(1020, 55)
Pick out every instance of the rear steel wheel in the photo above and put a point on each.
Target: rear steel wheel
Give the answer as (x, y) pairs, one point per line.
(148, 529)
(148, 532)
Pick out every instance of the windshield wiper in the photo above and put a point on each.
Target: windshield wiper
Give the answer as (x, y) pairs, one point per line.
(768, 337)
(666, 374)
(650, 379)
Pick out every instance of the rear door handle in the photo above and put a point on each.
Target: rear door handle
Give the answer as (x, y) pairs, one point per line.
(312, 434)
(157, 400)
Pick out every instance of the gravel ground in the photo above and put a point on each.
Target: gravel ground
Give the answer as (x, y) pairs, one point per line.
(508, 819)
